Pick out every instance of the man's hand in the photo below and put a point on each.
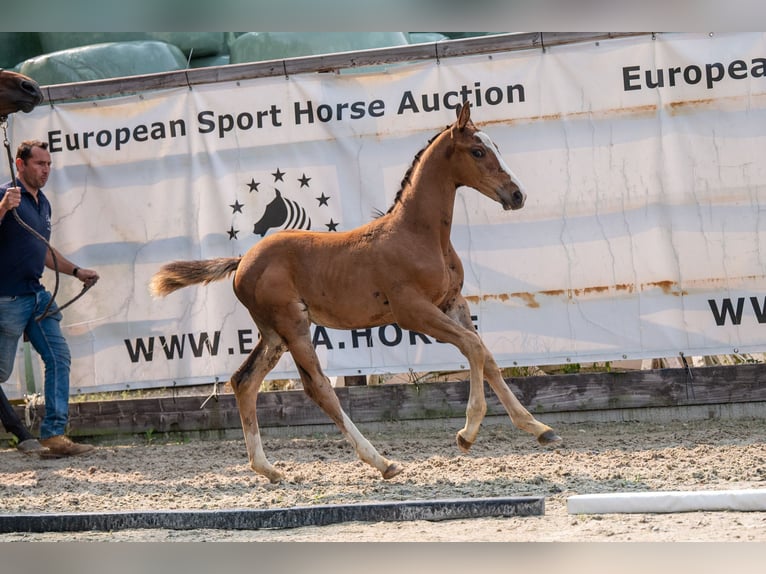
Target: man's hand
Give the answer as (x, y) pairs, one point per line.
(11, 199)
(87, 276)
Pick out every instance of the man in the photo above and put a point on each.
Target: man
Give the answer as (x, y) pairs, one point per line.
(23, 298)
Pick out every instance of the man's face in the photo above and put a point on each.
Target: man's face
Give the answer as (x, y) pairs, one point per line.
(35, 170)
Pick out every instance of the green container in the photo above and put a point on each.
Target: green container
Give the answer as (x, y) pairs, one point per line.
(260, 46)
(100, 61)
(198, 44)
(15, 47)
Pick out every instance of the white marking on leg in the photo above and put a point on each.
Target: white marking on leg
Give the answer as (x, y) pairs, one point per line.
(258, 461)
(363, 447)
(476, 407)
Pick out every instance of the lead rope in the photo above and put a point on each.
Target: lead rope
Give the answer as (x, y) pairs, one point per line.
(47, 311)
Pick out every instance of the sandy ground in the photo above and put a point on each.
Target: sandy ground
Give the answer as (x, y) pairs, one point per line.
(322, 469)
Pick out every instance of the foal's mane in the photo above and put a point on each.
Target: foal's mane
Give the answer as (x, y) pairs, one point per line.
(406, 178)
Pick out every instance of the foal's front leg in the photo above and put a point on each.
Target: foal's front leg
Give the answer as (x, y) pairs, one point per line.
(418, 314)
(520, 416)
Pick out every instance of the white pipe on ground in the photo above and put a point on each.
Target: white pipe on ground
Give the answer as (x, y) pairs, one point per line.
(666, 502)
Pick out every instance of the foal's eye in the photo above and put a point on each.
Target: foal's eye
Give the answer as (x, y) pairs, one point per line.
(477, 152)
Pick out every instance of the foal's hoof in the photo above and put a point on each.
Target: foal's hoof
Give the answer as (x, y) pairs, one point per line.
(393, 469)
(463, 444)
(272, 474)
(548, 437)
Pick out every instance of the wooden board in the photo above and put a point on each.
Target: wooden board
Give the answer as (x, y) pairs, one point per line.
(402, 402)
(293, 517)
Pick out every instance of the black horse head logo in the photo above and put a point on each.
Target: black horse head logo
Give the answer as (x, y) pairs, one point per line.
(284, 213)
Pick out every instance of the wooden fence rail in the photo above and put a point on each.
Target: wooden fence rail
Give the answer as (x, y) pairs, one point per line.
(408, 402)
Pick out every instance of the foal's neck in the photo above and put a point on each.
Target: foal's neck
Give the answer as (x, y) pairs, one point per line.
(427, 202)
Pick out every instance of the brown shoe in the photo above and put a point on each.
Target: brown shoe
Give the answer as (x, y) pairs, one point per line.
(61, 446)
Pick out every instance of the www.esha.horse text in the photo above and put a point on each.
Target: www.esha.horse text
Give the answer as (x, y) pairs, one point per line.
(302, 113)
(179, 346)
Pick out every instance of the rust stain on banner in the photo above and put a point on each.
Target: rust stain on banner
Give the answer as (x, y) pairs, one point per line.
(727, 103)
(700, 103)
(722, 104)
(647, 110)
(671, 288)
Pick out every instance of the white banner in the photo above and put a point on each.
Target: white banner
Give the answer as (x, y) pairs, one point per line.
(643, 234)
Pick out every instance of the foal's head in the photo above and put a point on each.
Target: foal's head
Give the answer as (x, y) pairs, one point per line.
(18, 92)
(475, 162)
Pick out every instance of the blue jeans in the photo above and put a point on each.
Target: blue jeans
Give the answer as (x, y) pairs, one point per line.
(17, 316)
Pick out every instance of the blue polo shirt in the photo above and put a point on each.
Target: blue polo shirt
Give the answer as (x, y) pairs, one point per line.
(22, 255)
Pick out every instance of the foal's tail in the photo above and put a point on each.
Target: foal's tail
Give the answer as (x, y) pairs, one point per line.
(178, 274)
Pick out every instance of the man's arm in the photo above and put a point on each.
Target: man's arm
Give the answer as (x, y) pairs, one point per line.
(65, 266)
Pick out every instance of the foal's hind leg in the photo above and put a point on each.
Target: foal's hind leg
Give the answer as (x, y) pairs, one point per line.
(246, 382)
(318, 388)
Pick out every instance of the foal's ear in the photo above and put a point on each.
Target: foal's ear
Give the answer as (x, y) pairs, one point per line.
(463, 114)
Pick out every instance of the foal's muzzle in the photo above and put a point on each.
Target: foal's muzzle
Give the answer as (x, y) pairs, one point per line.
(35, 94)
(515, 200)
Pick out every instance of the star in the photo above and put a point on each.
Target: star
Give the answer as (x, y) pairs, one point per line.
(233, 233)
(304, 180)
(236, 206)
(322, 199)
(253, 185)
(332, 226)
(278, 175)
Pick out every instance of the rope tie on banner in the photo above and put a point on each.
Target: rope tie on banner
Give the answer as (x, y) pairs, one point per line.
(31, 402)
(213, 395)
(689, 376)
(186, 71)
(47, 311)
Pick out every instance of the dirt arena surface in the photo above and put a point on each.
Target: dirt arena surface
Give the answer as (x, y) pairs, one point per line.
(322, 469)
